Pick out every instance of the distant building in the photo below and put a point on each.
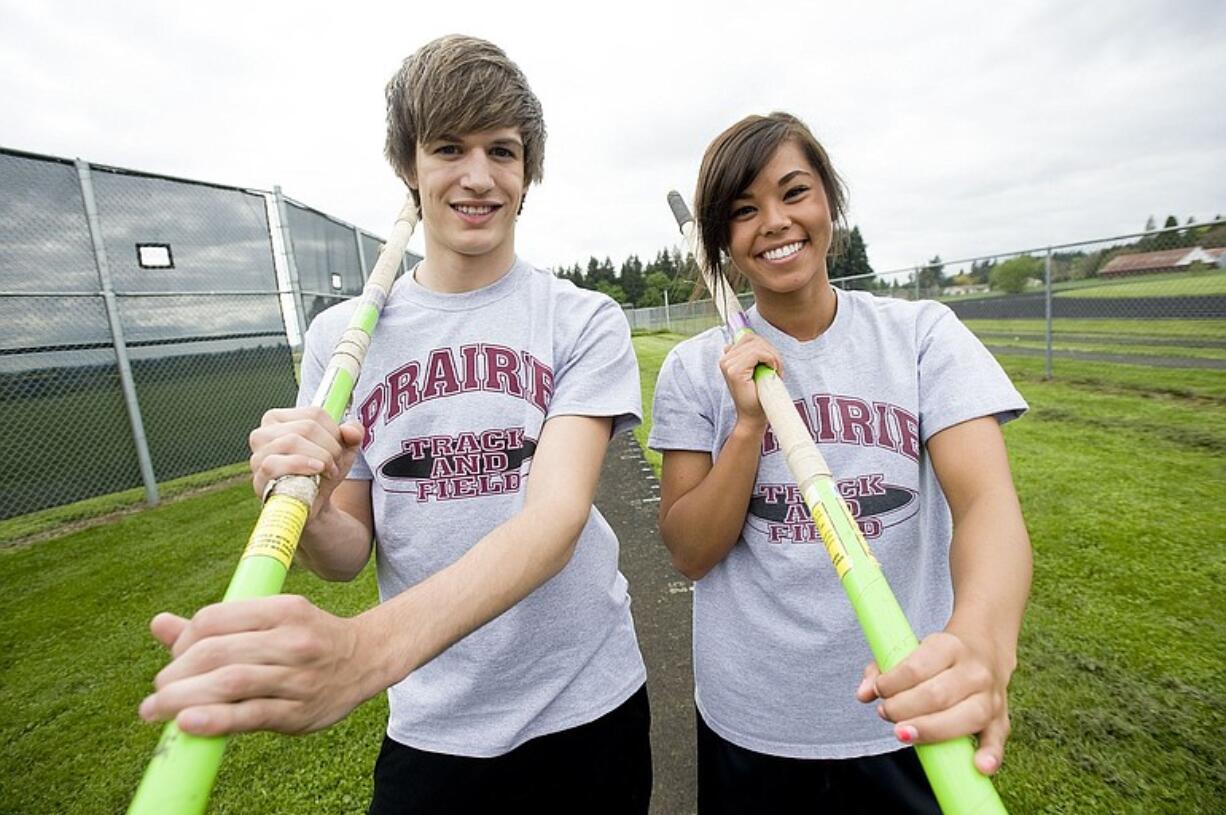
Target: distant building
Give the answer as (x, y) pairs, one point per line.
(1219, 255)
(1167, 260)
(972, 288)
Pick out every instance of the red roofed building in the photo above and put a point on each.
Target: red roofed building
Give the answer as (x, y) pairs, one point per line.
(1167, 260)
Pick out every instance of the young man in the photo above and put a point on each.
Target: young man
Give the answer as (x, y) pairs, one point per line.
(486, 404)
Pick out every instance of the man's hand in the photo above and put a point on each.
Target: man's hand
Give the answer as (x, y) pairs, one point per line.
(276, 663)
(948, 687)
(303, 441)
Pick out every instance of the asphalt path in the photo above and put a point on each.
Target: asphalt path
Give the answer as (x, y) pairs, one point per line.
(629, 498)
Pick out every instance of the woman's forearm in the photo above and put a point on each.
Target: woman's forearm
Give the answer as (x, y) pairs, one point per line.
(701, 527)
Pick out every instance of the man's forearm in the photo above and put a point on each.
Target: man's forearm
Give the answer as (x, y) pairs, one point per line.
(334, 544)
(399, 636)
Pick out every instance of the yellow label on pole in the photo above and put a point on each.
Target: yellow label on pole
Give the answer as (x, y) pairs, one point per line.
(834, 546)
(864, 545)
(276, 533)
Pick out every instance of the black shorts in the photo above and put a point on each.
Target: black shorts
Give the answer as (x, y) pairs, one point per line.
(733, 780)
(602, 766)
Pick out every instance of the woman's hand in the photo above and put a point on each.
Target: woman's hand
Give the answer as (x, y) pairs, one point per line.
(953, 685)
(737, 365)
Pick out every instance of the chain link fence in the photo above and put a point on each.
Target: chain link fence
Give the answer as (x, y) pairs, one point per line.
(1155, 299)
(687, 317)
(149, 322)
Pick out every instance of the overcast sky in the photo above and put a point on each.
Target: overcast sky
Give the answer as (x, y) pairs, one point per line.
(960, 128)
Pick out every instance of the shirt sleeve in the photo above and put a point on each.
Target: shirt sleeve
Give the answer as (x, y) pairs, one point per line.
(681, 419)
(959, 379)
(599, 375)
(315, 353)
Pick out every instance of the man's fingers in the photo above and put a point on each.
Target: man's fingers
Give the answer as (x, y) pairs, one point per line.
(167, 627)
(240, 615)
(240, 717)
(226, 685)
(277, 646)
(294, 455)
(295, 414)
(304, 431)
(352, 433)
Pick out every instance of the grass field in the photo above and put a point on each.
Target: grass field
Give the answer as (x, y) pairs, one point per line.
(1204, 282)
(1185, 339)
(1118, 703)
(1160, 285)
(1182, 330)
(75, 661)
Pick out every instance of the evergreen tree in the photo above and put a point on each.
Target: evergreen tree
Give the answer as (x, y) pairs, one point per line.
(664, 264)
(979, 271)
(932, 276)
(630, 278)
(853, 262)
(608, 273)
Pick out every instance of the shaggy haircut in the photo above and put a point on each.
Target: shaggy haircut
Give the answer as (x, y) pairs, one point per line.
(457, 85)
(731, 164)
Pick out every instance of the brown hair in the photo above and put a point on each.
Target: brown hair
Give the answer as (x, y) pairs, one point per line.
(732, 162)
(456, 85)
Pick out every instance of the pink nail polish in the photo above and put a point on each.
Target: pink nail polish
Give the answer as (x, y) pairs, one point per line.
(906, 733)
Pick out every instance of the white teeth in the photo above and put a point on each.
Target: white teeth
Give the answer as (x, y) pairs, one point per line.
(783, 251)
(474, 210)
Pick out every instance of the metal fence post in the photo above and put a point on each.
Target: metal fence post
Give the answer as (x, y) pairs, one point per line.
(1047, 307)
(126, 382)
(357, 236)
(668, 318)
(294, 283)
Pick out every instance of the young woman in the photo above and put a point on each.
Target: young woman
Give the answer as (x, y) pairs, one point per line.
(905, 404)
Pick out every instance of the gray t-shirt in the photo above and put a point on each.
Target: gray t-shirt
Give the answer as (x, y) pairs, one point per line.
(777, 650)
(453, 395)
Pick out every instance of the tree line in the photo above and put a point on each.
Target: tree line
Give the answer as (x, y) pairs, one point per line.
(674, 275)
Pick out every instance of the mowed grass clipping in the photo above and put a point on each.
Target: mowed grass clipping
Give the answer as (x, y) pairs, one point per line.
(1119, 700)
